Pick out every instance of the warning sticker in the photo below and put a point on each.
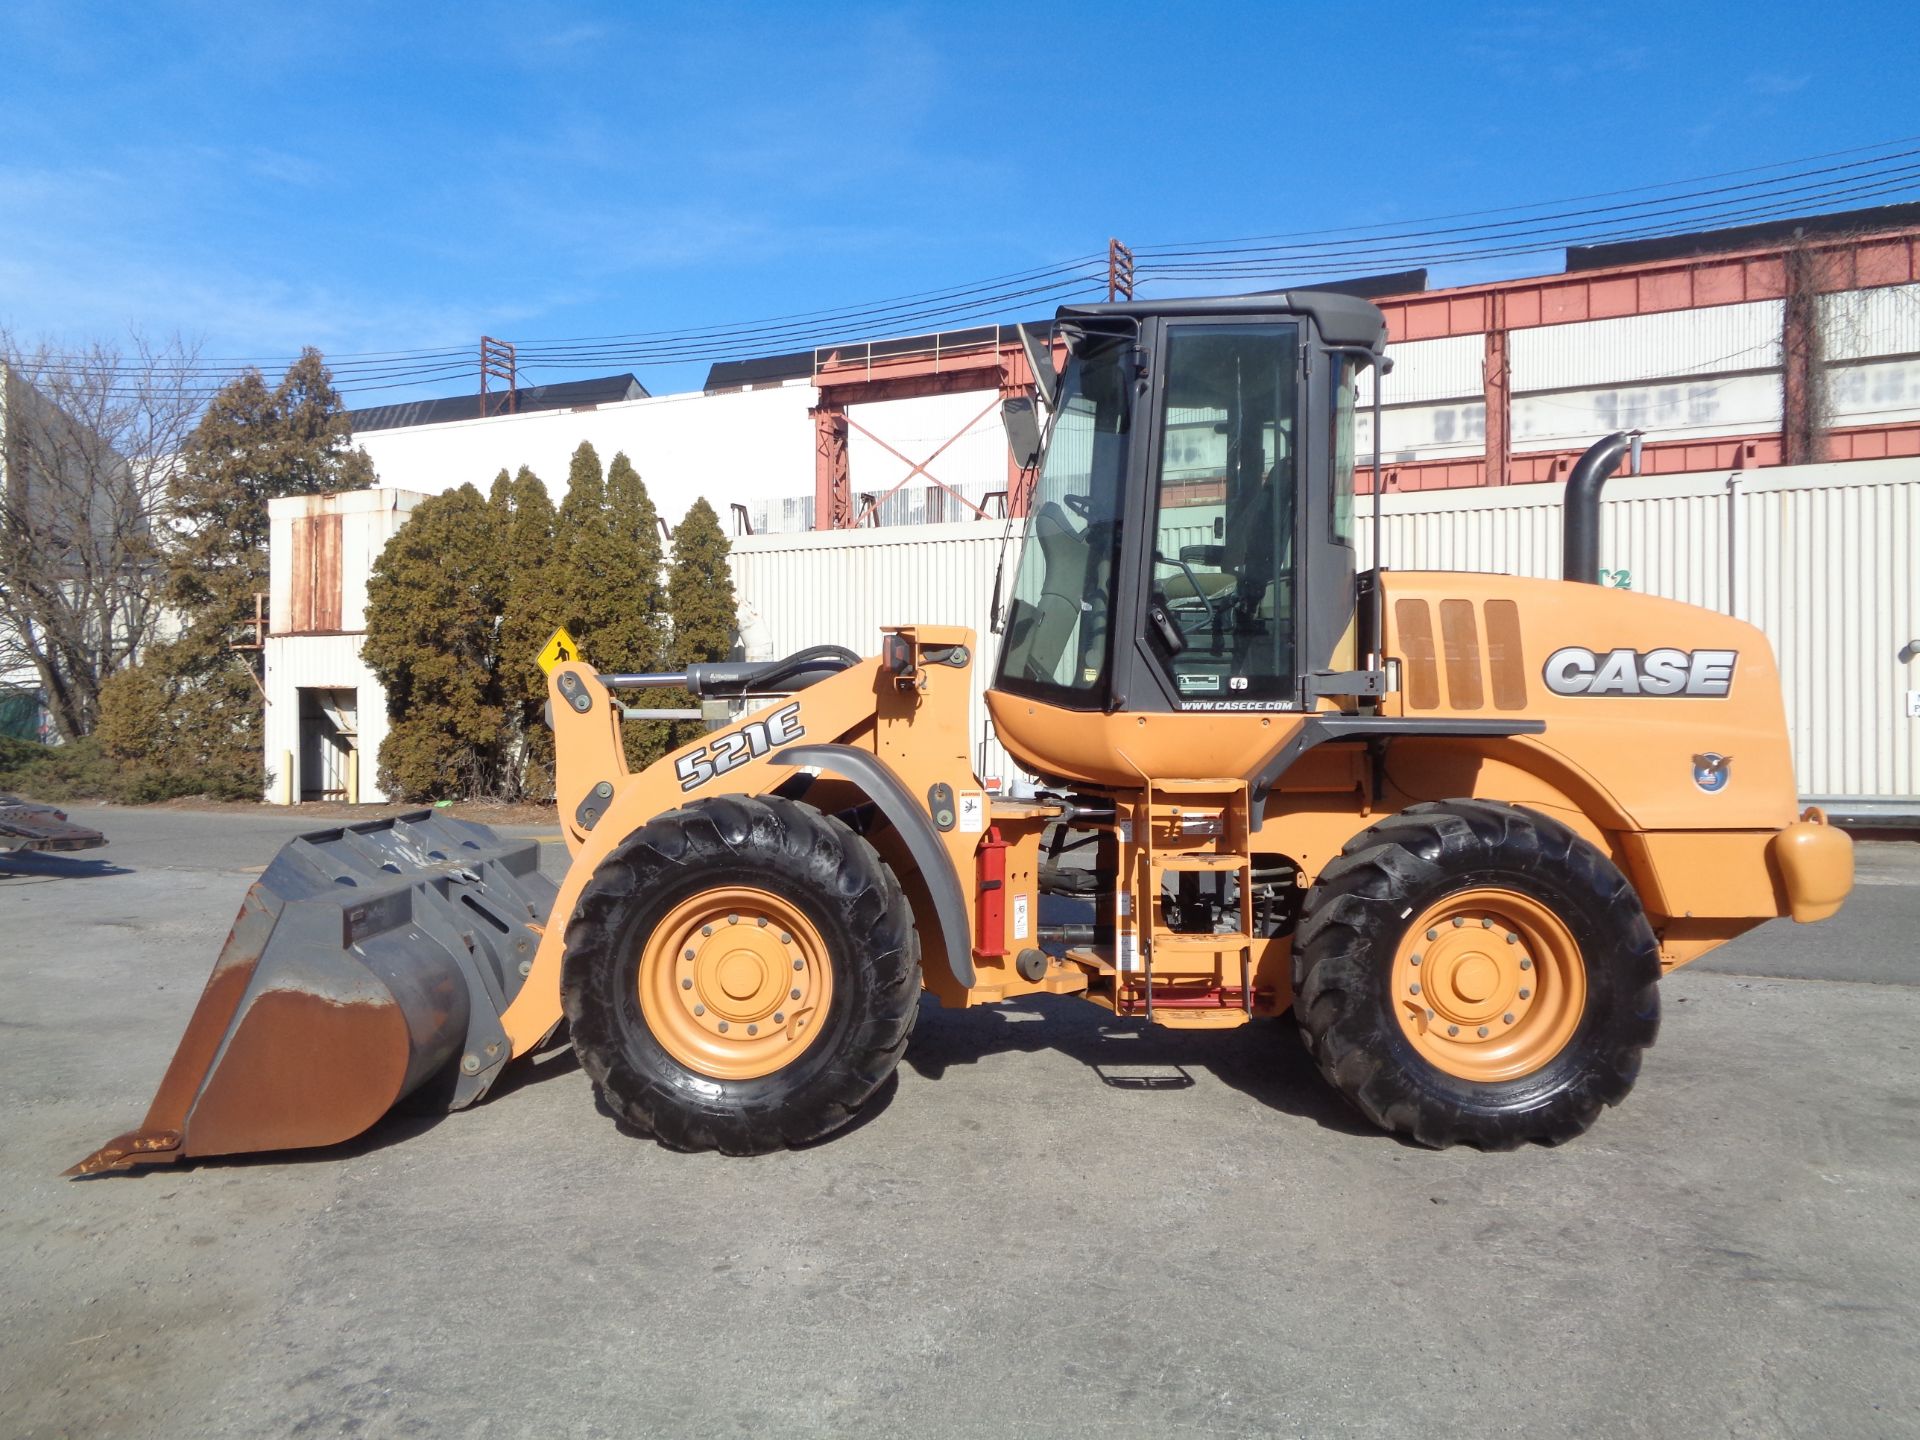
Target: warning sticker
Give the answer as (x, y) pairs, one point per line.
(558, 650)
(1019, 917)
(973, 812)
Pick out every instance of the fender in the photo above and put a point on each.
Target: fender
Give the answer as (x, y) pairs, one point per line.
(1319, 730)
(883, 787)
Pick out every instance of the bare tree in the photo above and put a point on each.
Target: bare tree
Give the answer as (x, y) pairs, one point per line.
(88, 441)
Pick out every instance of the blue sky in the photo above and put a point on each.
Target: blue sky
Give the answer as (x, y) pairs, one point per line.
(380, 177)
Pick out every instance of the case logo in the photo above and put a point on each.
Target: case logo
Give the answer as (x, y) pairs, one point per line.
(1576, 670)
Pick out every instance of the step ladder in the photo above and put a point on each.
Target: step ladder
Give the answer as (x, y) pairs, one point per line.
(1195, 827)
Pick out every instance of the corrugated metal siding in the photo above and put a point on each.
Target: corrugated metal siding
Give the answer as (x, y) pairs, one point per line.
(1874, 392)
(1830, 573)
(1867, 324)
(1635, 348)
(326, 662)
(1828, 565)
(1445, 369)
(1671, 410)
(841, 587)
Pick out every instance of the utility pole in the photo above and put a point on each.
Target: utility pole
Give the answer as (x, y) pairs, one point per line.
(1119, 272)
(497, 363)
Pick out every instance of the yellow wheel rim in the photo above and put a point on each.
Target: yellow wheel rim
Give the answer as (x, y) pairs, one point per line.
(1489, 985)
(735, 983)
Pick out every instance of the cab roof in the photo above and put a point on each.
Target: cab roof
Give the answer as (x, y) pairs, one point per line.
(1341, 319)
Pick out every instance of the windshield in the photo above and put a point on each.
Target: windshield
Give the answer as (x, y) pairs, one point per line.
(1058, 623)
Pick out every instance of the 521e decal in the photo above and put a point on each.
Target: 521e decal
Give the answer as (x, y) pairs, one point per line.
(736, 747)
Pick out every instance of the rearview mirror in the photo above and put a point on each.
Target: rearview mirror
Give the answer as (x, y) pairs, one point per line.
(1039, 352)
(1022, 422)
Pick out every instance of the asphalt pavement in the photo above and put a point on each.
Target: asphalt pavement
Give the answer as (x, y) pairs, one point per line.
(1053, 1225)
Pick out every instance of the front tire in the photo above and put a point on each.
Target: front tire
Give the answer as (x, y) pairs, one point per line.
(740, 975)
(1475, 972)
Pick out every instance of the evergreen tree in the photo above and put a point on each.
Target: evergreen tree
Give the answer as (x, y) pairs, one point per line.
(581, 541)
(523, 523)
(701, 600)
(700, 589)
(634, 623)
(433, 606)
(193, 717)
(609, 533)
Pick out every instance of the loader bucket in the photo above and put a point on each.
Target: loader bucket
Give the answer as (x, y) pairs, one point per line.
(367, 964)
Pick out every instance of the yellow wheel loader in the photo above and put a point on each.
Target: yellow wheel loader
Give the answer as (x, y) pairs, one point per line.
(1460, 824)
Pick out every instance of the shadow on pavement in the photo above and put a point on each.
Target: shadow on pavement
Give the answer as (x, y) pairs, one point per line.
(26, 866)
(1264, 1060)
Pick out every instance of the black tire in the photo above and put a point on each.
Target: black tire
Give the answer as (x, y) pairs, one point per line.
(816, 864)
(1357, 915)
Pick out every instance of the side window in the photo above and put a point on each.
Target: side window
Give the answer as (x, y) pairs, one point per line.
(1222, 563)
(1057, 636)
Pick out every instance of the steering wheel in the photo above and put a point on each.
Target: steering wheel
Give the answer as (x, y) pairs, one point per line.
(1215, 609)
(1081, 505)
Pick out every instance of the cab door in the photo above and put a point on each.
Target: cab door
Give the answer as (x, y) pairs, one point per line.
(1232, 467)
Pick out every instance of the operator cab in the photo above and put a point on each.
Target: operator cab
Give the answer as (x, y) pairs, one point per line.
(1221, 432)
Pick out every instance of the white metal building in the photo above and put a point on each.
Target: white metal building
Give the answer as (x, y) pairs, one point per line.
(326, 713)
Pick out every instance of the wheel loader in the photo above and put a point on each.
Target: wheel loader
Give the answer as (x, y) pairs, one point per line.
(1460, 824)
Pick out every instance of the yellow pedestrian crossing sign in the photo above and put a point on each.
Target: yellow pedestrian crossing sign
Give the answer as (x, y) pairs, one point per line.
(558, 650)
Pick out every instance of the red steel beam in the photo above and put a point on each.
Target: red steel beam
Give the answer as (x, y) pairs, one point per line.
(1687, 283)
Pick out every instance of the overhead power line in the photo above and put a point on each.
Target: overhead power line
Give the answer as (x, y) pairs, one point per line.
(1834, 179)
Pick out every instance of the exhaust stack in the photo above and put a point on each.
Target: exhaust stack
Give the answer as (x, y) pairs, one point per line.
(1580, 542)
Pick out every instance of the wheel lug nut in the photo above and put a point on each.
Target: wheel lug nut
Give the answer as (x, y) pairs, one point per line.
(1414, 989)
(1458, 921)
(706, 929)
(799, 964)
(1485, 924)
(762, 922)
(1429, 1014)
(1453, 1029)
(1414, 961)
(779, 1018)
(687, 956)
(699, 1009)
(753, 1029)
(1506, 1019)
(793, 994)
(686, 984)
(1433, 934)
(1526, 994)
(1483, 1032)
(1512, 939)
(723, 1027)
(785, 938)
(733, 919)
(1525, 964)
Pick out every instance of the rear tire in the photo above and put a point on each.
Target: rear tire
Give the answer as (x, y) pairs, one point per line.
(1410, 987)
(676, 982)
